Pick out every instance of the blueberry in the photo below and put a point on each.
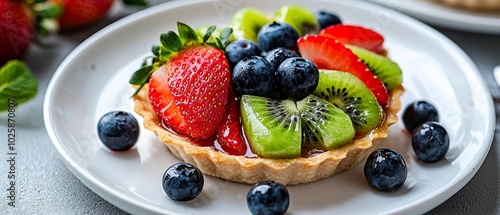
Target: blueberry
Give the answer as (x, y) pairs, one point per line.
(240, 49)
(278, 55)
(253, 76)
(274, 35)
(182, 182)
(430, 142)
(419, 112)
(268, 198)
(297, 77)
(385, 170)
(326, 19)
(118, 130)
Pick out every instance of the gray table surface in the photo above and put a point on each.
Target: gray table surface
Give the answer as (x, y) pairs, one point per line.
(46, 186)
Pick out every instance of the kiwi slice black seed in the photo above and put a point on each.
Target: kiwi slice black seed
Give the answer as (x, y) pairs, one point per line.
(384, 68)
(271, 126)
(324, 124)
(278, 128)
(351, 95)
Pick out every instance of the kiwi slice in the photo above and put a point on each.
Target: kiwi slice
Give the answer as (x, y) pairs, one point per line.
(384, 68)
(247, 22)
(272, 127)
(351, 95)
(278, 128)
(303, 20)
(324, 124)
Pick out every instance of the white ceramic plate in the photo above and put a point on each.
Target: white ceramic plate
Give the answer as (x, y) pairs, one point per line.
(450, 17)
(93, 80)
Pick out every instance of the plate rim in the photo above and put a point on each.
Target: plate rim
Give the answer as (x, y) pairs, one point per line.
(126, 203)
(447, 17)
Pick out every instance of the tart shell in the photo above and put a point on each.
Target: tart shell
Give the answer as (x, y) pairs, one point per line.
(252, 170)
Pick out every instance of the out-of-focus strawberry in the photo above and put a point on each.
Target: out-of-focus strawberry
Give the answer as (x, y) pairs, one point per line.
(16, 29)
(78, 13)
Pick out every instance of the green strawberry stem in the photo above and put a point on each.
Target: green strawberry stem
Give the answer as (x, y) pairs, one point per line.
(171, 44)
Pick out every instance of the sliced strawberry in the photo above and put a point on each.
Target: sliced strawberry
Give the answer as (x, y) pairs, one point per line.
(328, 53)
(190, 93)
(229, 133)
(355, 35)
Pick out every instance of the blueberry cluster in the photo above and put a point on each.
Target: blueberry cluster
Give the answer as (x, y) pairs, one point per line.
(386, 170)
(272, 66)
(430, 141)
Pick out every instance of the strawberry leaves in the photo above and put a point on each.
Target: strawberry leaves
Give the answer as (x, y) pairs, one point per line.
(171, 44)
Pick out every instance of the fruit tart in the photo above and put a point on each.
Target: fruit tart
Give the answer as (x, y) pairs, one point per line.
(292, 100)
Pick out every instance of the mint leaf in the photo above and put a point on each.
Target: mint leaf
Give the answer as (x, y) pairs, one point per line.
(136, 2)
(16, 83)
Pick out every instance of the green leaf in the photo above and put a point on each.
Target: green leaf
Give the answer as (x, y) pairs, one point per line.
(141, 76)
(208, 33)
(156, 50)
(187, 34)
(171, 42)
(226, 35)
(17, 84)
(219, 44)
(48, 10)
(136, 2)
(165, 54)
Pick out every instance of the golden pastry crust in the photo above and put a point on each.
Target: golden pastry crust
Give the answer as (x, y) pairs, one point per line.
(253, 170)
(479, 5)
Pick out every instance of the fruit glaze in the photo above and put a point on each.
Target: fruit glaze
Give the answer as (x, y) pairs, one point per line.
(293, 98)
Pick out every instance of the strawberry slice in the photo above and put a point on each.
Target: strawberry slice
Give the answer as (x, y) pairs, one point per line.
(190, 91)
(355, 35)
(229, 133)
(328, 53)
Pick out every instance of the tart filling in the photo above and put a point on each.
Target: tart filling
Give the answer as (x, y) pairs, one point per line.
(251, 170)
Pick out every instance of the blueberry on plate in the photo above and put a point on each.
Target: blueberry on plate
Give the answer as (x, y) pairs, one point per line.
(182, 182)
(297, 77)
(253, 76)
(326, 19)
(430, 142)
(417, 113)
(240, 49)
(118, 130)
(385, 170)
(268, 198)
(274, 35)
(278, 55)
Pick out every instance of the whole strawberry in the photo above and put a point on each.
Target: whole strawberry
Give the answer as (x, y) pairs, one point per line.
(78, 13)
(189, 81)
(22, 21)
(16, 29)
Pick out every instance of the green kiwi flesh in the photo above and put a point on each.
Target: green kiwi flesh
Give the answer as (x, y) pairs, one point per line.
(279, 128)
(324, 124)
(301, 19)
(351, 95)
(272, 127)
(384, 68)
(247, 22)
